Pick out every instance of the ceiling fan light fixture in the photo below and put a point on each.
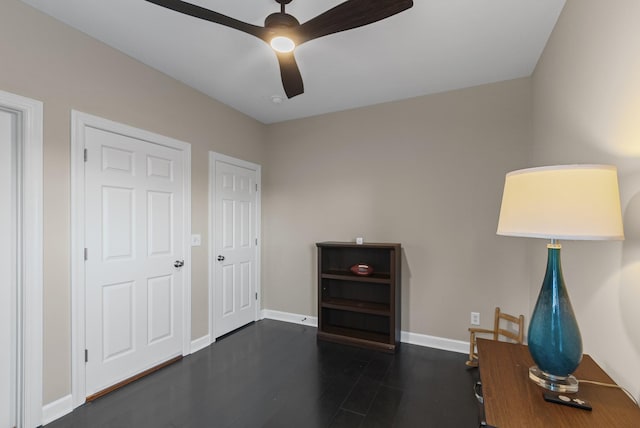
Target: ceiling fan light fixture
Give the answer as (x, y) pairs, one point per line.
(282, 44)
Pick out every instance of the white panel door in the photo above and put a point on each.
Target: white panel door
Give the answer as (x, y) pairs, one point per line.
(8, 316)
(133, 290)
(234, 246)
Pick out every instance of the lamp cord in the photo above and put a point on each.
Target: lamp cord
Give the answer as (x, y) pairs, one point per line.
(611, 385)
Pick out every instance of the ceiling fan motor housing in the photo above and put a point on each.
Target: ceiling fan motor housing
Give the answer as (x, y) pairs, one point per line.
(281, 20)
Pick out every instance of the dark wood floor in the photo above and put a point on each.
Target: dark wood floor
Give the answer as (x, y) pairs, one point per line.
(275, 374)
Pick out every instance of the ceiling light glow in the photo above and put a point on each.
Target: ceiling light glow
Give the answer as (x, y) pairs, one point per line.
(282, 44)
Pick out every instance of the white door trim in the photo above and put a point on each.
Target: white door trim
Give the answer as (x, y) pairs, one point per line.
(213, 157)
(80, 121)
(30, 257)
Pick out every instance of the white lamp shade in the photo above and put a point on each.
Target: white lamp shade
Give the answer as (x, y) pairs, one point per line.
(580, 202)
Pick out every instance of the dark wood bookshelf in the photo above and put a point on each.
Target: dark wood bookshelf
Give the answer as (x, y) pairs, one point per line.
(357, 306)
(348, 276)
(351, 336)
(356, 309)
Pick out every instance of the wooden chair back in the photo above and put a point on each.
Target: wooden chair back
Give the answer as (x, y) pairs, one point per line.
(506, 327)
(503, 319)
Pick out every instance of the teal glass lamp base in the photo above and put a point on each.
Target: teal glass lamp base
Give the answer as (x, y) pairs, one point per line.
(553, 383)
(554, 338)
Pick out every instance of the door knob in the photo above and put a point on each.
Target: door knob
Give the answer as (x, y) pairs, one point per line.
(220, 258)
(178, 263)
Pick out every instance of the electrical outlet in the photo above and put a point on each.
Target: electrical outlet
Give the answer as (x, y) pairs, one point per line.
(475, 318)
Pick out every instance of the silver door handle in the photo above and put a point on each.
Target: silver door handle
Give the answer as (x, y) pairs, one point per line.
(178, 263)
(220, 258)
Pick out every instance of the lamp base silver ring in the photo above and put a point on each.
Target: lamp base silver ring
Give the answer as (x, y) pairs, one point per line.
(553, 383)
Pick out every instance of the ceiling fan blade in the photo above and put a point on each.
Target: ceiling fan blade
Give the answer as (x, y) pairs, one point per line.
(291, 78)
(348, 15)
(209, 15)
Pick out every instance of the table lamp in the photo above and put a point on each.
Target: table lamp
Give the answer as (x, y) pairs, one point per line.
(575, 202)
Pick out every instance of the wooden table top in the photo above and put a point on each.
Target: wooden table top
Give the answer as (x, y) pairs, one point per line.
(512, 400)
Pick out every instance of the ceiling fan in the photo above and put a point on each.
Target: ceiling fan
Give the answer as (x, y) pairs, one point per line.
(283, 31)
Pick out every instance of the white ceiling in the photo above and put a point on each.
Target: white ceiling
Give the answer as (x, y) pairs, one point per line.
(436, 46)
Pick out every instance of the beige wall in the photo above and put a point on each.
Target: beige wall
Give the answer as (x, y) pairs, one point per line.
(586, 92)
(45, 60)
(426, 172)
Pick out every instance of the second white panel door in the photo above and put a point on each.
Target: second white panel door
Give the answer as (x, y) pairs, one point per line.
(235, 233)
(133, 291)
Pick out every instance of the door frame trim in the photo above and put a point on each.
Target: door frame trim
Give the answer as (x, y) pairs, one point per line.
(30, 277)
(80, 121)
(213, 157)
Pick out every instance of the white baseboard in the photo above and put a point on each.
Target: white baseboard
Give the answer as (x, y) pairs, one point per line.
(289, 317)
(405, 336)
(57, 409)
(434, 342)
(200, 343)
